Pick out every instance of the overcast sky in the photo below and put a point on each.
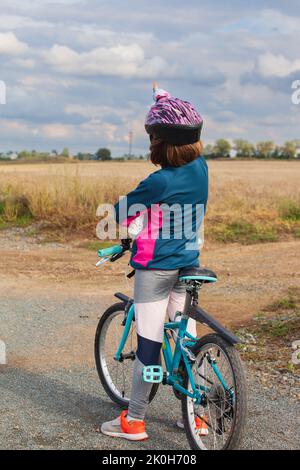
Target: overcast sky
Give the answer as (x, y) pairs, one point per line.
(79, 72)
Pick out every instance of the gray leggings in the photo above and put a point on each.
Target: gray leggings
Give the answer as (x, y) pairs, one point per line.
(156, 293)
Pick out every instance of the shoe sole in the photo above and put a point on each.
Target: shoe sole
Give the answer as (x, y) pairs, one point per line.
(202, 433)
(130, 437)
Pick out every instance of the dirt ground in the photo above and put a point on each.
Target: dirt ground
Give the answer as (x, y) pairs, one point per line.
(249, 277)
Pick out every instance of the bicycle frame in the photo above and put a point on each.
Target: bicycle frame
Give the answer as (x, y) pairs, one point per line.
(173, 360)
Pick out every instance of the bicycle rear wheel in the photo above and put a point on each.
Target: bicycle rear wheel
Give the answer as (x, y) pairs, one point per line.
(224, 407)
(115, 376)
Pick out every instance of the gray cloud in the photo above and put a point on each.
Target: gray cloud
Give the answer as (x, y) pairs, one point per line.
(79, 73)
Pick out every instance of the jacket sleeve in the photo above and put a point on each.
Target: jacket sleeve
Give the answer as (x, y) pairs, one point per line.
(149, 191)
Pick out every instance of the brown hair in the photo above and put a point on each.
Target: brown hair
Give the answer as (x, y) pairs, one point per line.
(164, 154)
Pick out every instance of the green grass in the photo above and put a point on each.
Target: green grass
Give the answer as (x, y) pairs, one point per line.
(15, 210)
(2, 207)
(287, 316)
(291, 367)
(274, 329)
(290, 302)
(23, 221)
(287, 303)
(97, 245)
(290, 210)
(243, 232)
(3, 224)
(280, 328)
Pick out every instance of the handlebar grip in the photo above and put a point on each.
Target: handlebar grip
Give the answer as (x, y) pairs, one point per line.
(112, 250)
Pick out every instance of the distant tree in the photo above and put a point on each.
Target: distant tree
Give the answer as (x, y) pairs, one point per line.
(296, 142)
(103, 154)
(65, 153)
(44, 155)
(83, 156)
(208, 151)
(24, 154)
(288, 150)
(128, 156)
(265, 149)
(277, 153)
(244, 148)
(222, 148)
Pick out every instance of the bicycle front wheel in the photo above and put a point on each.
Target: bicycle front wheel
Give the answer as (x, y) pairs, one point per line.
(116, 376)
(219, 421)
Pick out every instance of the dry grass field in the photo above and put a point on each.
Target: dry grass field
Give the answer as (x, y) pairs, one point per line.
(250, 201)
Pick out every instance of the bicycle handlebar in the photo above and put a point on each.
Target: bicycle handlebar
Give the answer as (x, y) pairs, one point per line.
(112, 250)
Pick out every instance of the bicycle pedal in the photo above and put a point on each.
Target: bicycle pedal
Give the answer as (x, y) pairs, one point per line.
(153, 374)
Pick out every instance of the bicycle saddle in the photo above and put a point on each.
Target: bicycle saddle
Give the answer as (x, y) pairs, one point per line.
(197, 274)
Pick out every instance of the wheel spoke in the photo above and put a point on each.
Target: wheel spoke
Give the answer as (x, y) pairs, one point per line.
(217, 407)
(117, 374)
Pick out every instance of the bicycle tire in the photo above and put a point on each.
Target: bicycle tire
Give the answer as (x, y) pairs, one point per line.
(123, 403)
(235, 438)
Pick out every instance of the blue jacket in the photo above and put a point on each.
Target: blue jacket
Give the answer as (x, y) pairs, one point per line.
(173, 203)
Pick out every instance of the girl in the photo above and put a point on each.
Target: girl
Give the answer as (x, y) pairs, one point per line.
(169, 200)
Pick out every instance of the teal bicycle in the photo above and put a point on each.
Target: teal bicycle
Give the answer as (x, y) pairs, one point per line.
(206, 373)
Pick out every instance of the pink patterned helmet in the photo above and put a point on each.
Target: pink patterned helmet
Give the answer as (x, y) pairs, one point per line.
(175, 121)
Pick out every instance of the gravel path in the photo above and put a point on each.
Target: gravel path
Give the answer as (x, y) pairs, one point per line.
(50, 396)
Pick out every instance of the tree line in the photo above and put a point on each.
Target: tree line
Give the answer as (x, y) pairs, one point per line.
(222, 148)
(103, 154)
(241, 148)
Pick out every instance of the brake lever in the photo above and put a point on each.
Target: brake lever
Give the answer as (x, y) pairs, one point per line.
(117, 256)
(101, 261)
(126, 246)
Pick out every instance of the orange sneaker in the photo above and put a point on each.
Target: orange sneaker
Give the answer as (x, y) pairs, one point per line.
(201, 425)
(120, 427)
